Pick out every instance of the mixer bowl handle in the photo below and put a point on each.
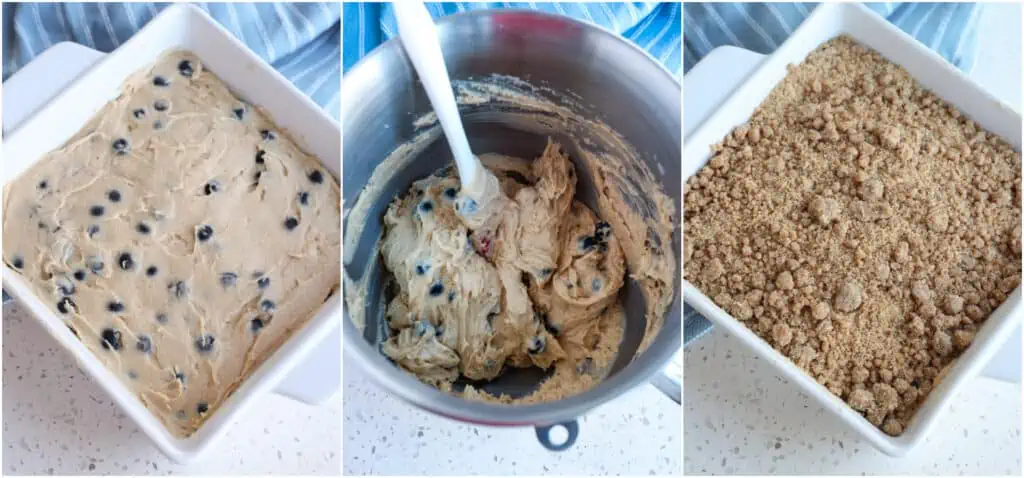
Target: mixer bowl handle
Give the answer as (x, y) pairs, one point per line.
(544, 435)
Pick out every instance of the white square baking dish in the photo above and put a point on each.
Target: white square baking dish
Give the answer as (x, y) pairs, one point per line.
(867, 28)
(178, 27)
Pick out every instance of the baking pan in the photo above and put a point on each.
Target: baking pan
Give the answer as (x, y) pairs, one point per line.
(180, 27)
(946, 82)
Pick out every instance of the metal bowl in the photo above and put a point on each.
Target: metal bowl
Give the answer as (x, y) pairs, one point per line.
(619, 84)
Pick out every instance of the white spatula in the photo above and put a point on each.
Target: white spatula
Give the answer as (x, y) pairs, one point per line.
(419, 37)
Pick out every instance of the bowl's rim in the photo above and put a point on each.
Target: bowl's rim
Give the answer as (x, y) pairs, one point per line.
(429, 398)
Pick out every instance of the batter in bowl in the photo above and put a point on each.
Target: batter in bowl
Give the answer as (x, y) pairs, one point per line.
(180, 235)
(533, 282)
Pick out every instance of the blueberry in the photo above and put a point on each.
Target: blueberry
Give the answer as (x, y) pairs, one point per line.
(17, 262)
(469, 206)
(263, 282)
(65, 286)
(550, 326)
(422, 267)
(585, 367)
(535, 345)
(65, 304)
(595, 284)
(143, 228)
(80, 275)
(436, 289)
(211, 187)
(261, 156)
(42, 184)
(96, 211)
(115, 306)
(151, 271)
(256, 324)
(161, 81)
(139, 113)
(202, 408)
(451, 297)
(303, 198)
(267, 305)
(161, 318)
(316, 176)
(125, 261)
(426, 206)
(204, 233)
(423, 328)
(204, 343)
(114, 195)
(587, 243)
(602, 231)
(95, 264)
(111, 339)
(267, 135)
(239, 113)
(161, 105)
(185, 68)
(144, 344)
(92, 230)
(291, 223)
(228, 279)
(121, 146)
(451, 193)
(178, 288)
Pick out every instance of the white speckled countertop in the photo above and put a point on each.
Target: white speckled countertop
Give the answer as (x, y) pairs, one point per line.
(743, 419)
(56, 421)
(635, 434)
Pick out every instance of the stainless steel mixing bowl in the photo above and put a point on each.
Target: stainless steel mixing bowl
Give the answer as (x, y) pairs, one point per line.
(619, 83)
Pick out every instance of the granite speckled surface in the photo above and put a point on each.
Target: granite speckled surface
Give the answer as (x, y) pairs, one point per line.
(56, 421)
(741, 418)
(637, 433)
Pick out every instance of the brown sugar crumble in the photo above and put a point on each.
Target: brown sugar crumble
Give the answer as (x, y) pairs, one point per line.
(861, 225)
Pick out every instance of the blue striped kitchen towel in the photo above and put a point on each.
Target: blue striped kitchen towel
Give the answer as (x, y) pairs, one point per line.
(655, 27)
(951, 29)
(301, 40)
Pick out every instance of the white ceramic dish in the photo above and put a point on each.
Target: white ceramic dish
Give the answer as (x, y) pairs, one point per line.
(867, 28)
(708, 84)
(178, 27)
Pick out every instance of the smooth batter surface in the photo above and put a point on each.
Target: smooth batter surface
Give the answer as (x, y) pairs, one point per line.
(528, 283)
(181, 236)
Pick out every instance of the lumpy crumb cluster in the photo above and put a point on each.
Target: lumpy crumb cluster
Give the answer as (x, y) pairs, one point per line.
(862, 226)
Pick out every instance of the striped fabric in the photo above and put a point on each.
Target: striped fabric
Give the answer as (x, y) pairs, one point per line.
(301, 40)
(948, 28)
(654, 27)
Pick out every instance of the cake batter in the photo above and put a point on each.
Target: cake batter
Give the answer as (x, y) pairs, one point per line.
(524, 284)
(496, 264)
(180, 235)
